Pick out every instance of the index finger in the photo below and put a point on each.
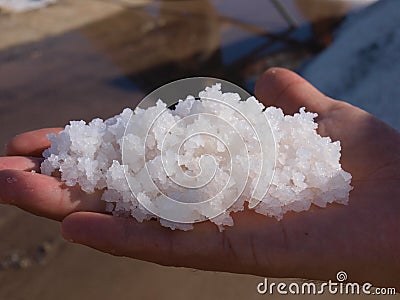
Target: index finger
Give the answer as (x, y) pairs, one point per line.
(31, 143)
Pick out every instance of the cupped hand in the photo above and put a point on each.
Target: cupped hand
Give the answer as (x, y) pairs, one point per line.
(361, 238)
(22, 185)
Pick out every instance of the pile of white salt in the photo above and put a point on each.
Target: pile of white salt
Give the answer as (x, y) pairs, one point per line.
(204, 155)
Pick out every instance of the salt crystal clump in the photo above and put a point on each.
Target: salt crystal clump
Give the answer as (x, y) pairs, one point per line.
(307, 168)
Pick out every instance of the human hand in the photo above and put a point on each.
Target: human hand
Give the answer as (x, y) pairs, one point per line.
(360, 238)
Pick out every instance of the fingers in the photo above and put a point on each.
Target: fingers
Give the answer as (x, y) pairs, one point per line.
(146, 241)
(44, 195)
(240, 249)
(21, 163)
(203, 248)
(287, 90)
(31, 143)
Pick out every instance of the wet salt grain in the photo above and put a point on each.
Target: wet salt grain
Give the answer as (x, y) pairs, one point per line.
(11, 180)
(307, 167)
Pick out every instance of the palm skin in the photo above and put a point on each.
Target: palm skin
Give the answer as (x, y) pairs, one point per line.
(361, 238)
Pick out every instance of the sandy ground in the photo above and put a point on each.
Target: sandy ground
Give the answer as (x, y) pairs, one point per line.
(81, 71)
(65, 15)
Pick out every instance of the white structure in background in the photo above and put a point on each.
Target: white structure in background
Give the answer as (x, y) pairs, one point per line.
(24, 5)
(315, 10)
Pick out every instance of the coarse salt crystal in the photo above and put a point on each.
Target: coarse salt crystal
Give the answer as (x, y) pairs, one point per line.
(306, 166)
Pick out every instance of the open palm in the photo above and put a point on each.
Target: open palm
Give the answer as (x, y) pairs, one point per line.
(361, 238)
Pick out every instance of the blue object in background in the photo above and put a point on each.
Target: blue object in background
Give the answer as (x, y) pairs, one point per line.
(362, 66)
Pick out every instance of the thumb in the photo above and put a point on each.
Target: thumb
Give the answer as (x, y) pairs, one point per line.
(289, 91)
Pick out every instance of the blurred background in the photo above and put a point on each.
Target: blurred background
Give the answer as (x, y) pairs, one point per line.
(71, 60)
